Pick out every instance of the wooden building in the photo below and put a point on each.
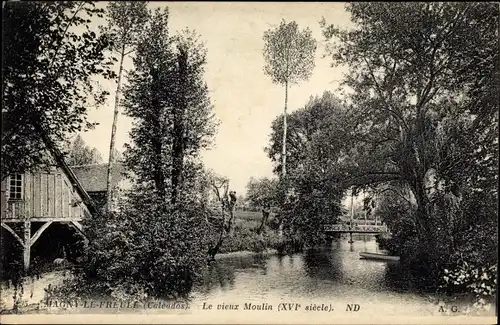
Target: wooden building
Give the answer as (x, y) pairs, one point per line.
(31, 202)
(93, 179)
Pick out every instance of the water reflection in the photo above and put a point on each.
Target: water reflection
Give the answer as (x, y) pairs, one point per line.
(334, 272)
(322, 264)
(221, 274)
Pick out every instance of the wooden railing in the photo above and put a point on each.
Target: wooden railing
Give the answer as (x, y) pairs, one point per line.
(356, 228)
(14, 210)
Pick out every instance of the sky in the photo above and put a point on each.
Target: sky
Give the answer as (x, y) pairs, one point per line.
(245, 100)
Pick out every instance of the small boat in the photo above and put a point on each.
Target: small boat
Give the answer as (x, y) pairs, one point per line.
(377, 256)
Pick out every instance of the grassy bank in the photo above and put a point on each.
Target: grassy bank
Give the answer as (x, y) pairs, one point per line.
(244, 236)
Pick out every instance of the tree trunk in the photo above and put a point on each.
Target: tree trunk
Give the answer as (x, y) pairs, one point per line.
(283, 152)
(159, 175)
(426, 250)
(422, 213)
(178, 128)
(109, 188)
(213, 250)
(230, 221)
(265, 216)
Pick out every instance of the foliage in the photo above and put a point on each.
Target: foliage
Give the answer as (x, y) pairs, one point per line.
(306, 200)
(158, 253)
(480, 280)
(154, 97)
(289, 53)
(289, 57)
(309, 209)
(242, 203)
(261, 192)
(51, 57)
(393, 207)
(81, 154)
(423, 114)
(316, 136)
(245, 238)
(126, 20)
(391, 75)
(155, 245)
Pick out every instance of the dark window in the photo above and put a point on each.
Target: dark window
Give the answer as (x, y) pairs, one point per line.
(16, 186)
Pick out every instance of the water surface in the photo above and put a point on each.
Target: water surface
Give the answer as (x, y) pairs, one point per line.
(332, 275)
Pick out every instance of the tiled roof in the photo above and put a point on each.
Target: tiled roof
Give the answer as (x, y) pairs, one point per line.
(68, 171)
(93, 177)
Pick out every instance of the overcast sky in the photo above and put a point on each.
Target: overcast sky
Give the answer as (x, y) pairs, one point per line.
(245, 100)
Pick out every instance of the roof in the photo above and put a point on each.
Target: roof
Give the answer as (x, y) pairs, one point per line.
(93, 177)
(59, 157)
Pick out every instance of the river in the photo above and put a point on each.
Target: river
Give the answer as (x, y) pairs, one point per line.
(332, 276)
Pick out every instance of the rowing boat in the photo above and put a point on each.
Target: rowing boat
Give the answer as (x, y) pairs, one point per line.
(377, 256)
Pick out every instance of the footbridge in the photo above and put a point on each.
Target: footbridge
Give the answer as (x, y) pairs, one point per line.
(353, 229)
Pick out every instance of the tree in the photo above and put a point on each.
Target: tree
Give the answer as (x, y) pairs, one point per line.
(423, 77)
(323, 116)
(126, 19)
(189, 97)
(81, 154)
(289, 55)
(117, 156)
(51, 56)
(261, 194)
(169, 100)
(241, 203)
(318, 151)
(227, 201)
(162, 243)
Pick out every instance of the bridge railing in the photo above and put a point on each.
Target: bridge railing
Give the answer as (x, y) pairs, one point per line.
(356, 228)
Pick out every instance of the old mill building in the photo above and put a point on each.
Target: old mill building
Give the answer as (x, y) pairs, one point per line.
(54, 195)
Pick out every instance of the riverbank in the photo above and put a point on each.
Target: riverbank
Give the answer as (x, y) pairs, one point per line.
(334, 274)
(29, 295)
(245, 253)
(244, 237)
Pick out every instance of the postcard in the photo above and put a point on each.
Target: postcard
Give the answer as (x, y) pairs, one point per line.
(249, 162)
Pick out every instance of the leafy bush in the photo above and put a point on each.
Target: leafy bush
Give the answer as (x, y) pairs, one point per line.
(245, 238)
(148, 249)
(481, 281)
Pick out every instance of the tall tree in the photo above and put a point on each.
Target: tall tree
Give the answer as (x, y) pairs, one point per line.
(126, 19)
(81, 154)
(162, 243)
(189, 96)
(420, 72)
(49, 66)
(318, 150)
(289, 56)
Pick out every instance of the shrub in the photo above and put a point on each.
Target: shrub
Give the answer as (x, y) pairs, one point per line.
(481, 281)
(148, 249)
(245, 238)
